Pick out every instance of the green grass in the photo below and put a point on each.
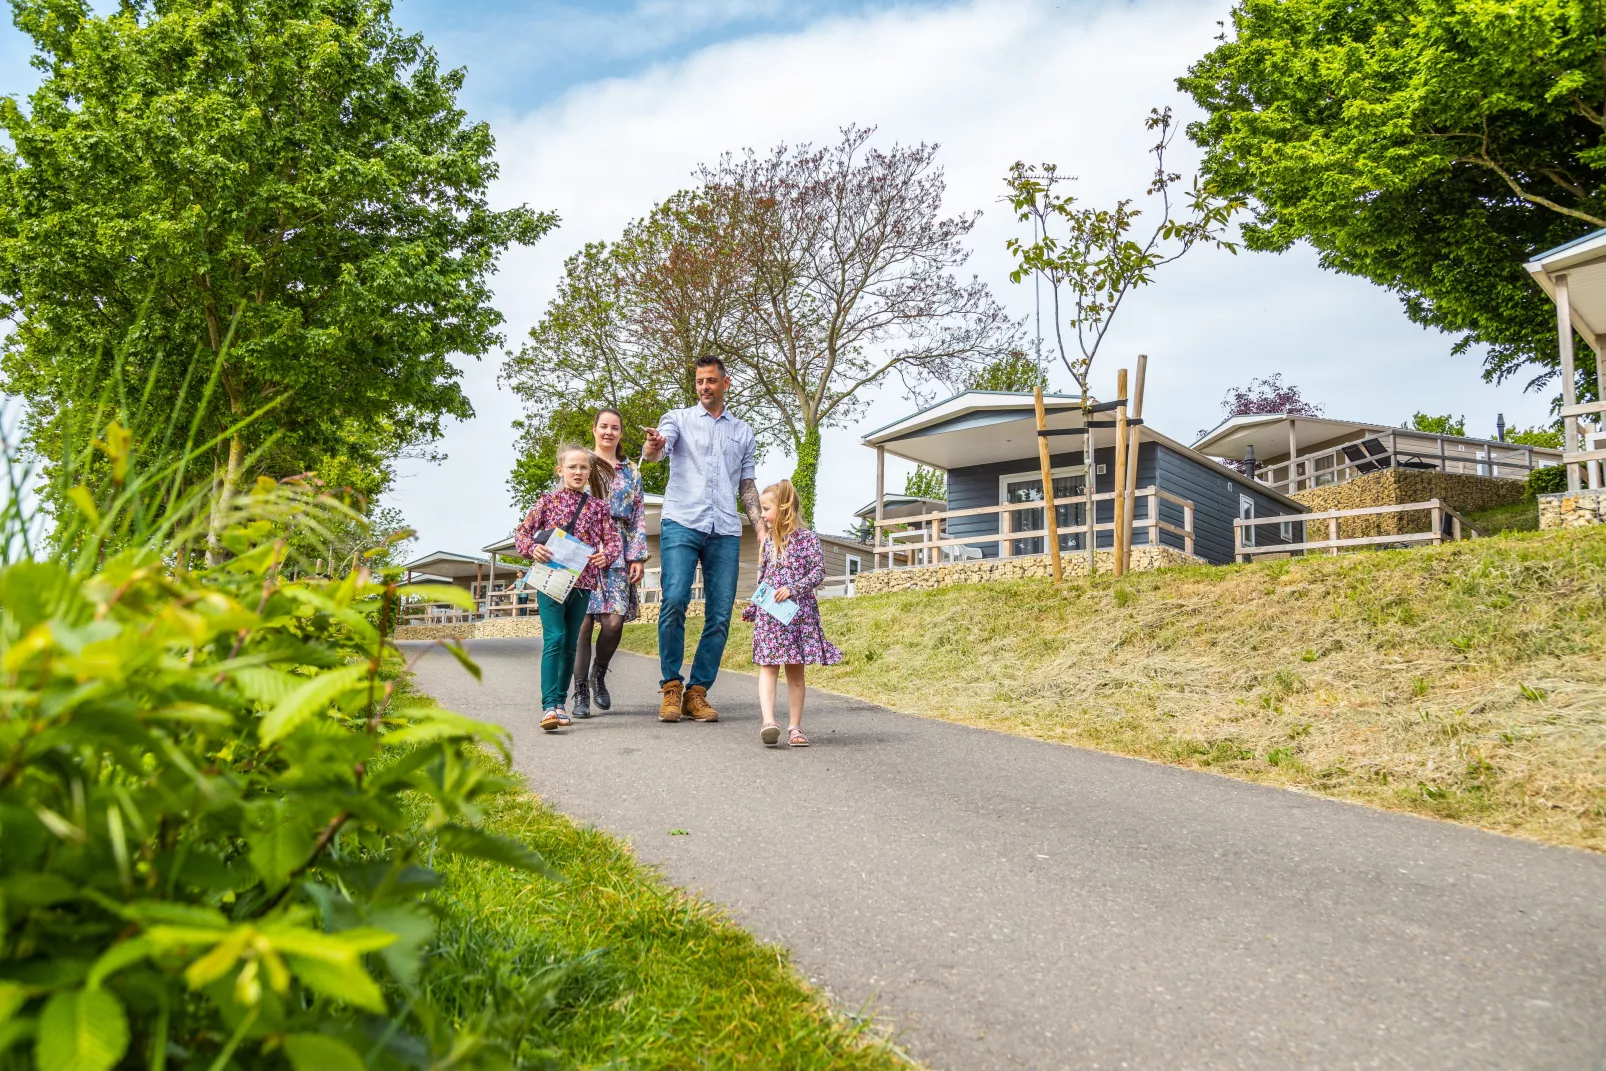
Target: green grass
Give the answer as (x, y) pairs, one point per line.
(615, 968)
(1465, 682)
(1520, 517)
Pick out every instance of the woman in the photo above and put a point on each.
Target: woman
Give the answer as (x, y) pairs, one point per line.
(613, 602)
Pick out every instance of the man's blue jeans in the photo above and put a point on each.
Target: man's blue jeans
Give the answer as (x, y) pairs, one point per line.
(682, 549)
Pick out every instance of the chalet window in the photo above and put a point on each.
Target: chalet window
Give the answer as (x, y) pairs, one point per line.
(854, 564)
(1246, 512)
(1069, 508)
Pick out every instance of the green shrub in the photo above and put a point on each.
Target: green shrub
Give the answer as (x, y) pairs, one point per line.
(210, 850)
(1548, 480)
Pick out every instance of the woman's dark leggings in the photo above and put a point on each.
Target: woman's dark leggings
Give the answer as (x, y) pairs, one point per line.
(613, 627)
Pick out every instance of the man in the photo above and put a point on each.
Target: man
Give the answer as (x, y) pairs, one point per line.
(712, 456)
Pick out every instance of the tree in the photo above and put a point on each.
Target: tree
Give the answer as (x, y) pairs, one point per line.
(926, 483)
(1430, 146)
(626, 328)
(1267, 394)
(852, 279)
(1437, 425)
(1014, 372)
(1087, 256)
(1546, 437)
(295, 174)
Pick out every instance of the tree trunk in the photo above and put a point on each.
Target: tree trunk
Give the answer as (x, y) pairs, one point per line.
(807, 473)
(220, 500)
(1090, 481)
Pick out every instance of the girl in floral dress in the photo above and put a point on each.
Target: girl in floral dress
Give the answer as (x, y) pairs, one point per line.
(793, 565)
(614, 601)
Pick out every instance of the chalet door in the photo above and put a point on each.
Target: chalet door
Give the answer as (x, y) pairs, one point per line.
(1069, 510)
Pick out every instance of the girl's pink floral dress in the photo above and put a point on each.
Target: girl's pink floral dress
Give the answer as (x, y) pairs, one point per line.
(802, 642)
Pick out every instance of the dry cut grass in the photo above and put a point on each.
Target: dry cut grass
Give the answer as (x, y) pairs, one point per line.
(1463, 682)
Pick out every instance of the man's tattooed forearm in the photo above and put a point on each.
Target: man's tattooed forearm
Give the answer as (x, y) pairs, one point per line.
(747, 491)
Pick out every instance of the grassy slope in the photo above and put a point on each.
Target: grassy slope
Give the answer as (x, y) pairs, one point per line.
(1463, 682)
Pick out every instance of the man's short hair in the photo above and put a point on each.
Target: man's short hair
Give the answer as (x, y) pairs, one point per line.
(707, 360)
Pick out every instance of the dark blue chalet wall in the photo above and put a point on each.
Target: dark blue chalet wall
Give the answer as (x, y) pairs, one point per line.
(1213, 493)
(1215, 505)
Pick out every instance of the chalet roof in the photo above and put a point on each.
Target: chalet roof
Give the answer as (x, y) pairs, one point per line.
(903, 506)
(1583, 261)
(446, 565)
(1268, 434)
(984, 427)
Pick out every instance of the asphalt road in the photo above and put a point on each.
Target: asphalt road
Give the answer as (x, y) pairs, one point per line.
(1006, 903)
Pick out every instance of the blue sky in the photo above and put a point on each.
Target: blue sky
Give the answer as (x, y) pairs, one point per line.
(603, 108)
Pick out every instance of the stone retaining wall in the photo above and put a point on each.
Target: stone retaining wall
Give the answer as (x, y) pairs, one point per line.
(1072, 563)
(496, 628)
(513, 627)
(1461, 491)
(1572, 509)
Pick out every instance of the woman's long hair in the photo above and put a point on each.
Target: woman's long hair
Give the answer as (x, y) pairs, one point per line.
(601, 480)
(787, 513)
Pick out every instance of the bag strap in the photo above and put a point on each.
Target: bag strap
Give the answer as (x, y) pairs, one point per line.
(585, 496)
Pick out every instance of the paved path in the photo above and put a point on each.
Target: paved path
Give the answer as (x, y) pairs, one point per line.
(1006, 903)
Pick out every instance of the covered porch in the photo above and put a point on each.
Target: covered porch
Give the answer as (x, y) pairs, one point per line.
(1293, 453)
(1574, 275)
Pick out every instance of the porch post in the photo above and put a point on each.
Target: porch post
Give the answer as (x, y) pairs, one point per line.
(1569, 386)
(1293, 451)
(1050, 521)
(1118, 542)
(880, 507)
(490, 589)
(1133, 433)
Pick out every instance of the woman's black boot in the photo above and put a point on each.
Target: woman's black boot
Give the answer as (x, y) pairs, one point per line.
(599, 687)
(582, 700)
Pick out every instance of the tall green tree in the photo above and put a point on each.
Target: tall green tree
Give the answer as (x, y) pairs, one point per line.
(1014, 372)
(1430, 146)
(294, 171)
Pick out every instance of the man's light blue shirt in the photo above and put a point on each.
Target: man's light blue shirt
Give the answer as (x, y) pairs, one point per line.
(708, 457)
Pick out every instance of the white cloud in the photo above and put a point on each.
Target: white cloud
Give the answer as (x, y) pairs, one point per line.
(993, 81)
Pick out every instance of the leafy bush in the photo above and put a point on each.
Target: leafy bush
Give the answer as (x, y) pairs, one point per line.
(1548, 480)
(210, 849)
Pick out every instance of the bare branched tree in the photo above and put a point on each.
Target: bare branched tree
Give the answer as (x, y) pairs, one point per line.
(852, 270)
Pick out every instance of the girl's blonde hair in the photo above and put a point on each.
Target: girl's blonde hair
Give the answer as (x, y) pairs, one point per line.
(788, 513)
(600, 483)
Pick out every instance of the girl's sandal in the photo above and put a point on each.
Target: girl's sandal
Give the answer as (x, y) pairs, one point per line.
(770, 734)
(549, 721)
(795, 737)
(563, 718)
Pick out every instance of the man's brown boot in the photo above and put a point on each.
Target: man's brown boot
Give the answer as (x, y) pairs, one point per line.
(669, 705)
(697, 704)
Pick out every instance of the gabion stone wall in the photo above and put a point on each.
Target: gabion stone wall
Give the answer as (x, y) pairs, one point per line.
(1072, 563)
(1572, 509)
(1461, 491)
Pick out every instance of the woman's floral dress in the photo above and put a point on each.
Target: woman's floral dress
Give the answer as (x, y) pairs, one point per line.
(615, 594)
(802, 642)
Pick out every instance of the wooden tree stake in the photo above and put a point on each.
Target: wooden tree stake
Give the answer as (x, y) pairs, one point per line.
(1050, 521)
(1118, 537)
(1133, 435)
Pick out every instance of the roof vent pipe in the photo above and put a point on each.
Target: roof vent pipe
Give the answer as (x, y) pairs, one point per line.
(1249, 462)
(1500, 426)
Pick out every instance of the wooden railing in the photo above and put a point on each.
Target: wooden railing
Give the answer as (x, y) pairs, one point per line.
(1444, 523)
(898, 545)
(1592, 460)
(1409, 450)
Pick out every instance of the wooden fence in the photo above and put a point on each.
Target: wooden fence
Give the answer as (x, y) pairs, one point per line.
(929, 544)
(1444, 523)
